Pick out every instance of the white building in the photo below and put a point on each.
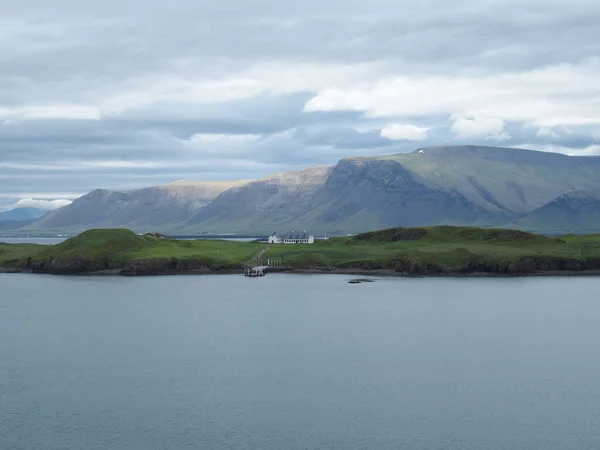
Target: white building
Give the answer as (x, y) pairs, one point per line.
(292, 238)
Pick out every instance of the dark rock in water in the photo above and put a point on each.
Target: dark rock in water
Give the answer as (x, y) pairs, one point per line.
(360, 280)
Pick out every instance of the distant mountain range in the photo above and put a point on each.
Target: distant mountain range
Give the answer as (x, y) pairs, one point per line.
(454, 185)
(159, 207)
(19, 214)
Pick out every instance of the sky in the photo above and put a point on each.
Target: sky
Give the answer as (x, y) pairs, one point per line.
(131, 93)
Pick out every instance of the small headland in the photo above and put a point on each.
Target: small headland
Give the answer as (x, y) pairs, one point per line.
(423, 251)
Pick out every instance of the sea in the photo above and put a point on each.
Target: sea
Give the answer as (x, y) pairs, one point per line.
(299, 362)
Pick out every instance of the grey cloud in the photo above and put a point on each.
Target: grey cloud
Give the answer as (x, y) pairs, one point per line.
(105, 54)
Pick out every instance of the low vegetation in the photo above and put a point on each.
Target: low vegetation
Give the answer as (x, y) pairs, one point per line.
(430, 250)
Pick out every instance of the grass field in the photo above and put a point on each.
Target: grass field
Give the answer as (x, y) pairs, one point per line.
(444, 246)
(431, 247)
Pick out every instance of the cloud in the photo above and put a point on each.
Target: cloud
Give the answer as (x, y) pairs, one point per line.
(50, 112)
(208, 138)
(399, 132)
(480, 127)
(129, 94)
(543, 97)
(547, 132)
(47, 205)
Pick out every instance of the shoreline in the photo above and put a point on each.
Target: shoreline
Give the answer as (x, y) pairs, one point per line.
(309, 271)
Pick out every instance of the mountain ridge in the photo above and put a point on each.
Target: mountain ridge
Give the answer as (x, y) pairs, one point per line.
(444, 185)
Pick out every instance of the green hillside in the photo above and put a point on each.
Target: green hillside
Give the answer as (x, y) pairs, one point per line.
(443, 246)
(121, 245)
(428, 250)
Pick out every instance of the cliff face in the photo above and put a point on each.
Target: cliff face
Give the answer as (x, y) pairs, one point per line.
(147, 266)
(529, 265)
(402, 266)
(370, 194)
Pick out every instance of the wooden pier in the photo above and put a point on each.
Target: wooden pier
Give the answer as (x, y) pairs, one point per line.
(258, 271)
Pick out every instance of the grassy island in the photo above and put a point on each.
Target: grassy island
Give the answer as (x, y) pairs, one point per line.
(441, 250)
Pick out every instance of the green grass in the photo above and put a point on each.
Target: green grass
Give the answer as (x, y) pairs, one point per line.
(120, 246)
(443, 246)
(11, 253)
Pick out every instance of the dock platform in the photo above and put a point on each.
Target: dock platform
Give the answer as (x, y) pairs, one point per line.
(258, 271)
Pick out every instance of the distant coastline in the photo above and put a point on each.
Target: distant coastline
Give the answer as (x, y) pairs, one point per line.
(443, 251)
(315, 271)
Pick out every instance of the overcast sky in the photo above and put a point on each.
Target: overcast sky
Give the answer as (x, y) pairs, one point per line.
(124, 94)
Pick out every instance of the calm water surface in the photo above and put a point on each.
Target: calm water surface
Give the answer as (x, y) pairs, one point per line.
(298, 362)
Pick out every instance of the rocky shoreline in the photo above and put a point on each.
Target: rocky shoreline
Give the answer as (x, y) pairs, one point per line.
(169, 266)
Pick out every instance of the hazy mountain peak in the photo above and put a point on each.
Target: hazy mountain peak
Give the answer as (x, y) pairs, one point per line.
(19, 214)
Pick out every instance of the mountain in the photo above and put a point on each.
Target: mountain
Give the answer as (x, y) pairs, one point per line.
(356, 194)
(502, 179)
(573, 211)
(459, 185)
(12, 225)
(453, 185)
(263, 204)
(21, 214)
(157, 207)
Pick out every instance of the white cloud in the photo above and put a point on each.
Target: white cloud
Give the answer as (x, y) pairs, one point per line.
(74, 112)
(398, 132)
(224, 138)
(47, 205)
(479, 127)
(547, 132)
(596, 135)
(153, 76)
(59, 166)
(253, 80)
(553, 96)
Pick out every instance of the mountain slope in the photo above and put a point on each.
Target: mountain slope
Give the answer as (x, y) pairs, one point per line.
(502, 179)
(573, 211)
(21, 214)
(459, 185)
(357, 194)
(12, 225)
(261, 204)
(148, 208)
(364, 193)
